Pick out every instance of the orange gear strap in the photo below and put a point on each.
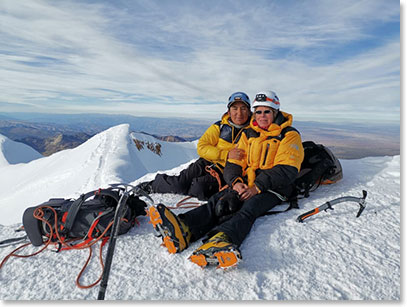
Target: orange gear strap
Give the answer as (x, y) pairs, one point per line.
(215, 174)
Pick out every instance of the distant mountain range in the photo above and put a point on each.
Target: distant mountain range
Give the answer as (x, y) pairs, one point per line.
(354, 140)
(44, 138)
(49, 133)
(189, 129)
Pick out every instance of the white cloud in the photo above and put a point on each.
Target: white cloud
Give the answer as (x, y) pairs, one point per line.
(182, 55)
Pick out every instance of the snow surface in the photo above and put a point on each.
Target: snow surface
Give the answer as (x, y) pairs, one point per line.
(331, 256)
(14, 152)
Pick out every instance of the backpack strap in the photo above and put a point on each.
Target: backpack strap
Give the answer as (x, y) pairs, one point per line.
(74, 209)
(76, 206)
(292, 204)
(108, 192)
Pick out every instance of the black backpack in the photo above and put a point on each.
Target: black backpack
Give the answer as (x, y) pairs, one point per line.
(88, 218)
(319, 166)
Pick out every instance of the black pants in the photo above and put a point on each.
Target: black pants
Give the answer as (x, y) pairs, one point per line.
(202, 220)
(193, 181)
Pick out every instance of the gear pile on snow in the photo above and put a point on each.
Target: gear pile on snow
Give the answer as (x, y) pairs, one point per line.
(78, 224)
(85, 219)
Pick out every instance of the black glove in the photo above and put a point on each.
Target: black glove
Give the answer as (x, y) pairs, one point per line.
(229, 203)
(137, 205)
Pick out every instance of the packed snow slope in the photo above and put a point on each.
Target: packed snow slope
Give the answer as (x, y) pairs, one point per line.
(115, 155)
(331, 256)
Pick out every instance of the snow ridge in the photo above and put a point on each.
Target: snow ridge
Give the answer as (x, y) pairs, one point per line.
(108, 157)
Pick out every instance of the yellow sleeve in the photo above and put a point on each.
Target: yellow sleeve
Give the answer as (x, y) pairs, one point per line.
(207, 145)
(290, 151)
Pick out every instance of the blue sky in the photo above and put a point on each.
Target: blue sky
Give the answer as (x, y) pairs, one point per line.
(326, 59)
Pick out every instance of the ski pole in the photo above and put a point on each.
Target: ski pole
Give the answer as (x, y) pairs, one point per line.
(120, 210)
(328, 205)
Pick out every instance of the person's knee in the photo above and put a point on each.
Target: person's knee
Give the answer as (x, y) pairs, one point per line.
(259, 204)
(203, 189)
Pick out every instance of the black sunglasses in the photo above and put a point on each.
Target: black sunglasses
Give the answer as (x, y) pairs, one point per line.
(261, 112)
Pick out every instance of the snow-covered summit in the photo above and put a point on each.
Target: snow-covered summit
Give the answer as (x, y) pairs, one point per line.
(12, 152)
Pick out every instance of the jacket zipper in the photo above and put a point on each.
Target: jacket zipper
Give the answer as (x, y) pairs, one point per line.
(248, 155)
(234, 138)
(265, 154)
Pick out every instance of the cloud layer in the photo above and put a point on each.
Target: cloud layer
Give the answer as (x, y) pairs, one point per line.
(325, 59)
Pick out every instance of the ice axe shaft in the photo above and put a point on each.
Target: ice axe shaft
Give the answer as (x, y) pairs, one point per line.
(329, 205)
(120, 209)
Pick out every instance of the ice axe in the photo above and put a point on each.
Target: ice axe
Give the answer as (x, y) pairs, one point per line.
(329, 205)
(120, 210)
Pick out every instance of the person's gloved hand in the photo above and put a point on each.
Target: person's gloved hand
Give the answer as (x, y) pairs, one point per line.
(229, 203)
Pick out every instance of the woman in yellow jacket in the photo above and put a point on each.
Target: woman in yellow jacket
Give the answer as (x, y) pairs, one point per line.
(273, 155)
(216, 144)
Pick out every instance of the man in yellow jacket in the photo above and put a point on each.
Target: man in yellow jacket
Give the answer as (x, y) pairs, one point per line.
(266, 172)
(214, 147)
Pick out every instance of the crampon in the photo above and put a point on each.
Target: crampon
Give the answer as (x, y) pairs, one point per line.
(174, 235)
(222, 259)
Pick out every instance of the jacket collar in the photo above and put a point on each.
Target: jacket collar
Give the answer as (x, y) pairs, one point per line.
(281, 121)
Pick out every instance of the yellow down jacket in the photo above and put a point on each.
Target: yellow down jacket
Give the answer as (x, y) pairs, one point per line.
(218, 139)
(273, 157)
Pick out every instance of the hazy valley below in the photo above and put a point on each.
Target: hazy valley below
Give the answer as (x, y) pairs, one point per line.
(50, 133)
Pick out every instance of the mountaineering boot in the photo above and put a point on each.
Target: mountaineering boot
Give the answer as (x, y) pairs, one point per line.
(175, 234)
(218, 250)
(146, 187)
